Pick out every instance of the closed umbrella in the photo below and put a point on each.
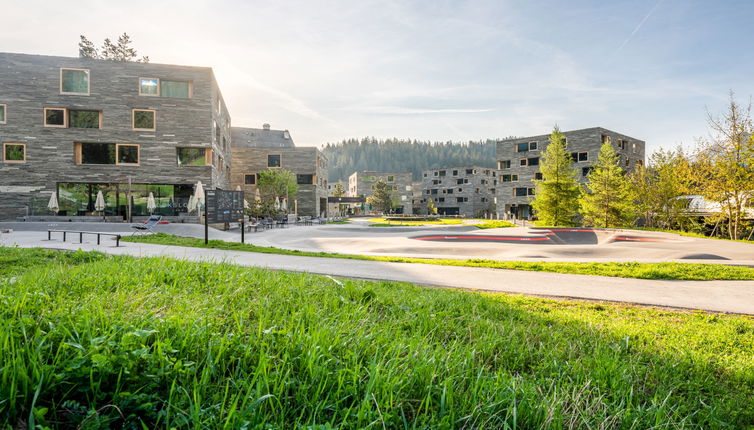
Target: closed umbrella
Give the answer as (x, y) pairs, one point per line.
(284, 205)
(99, 204)
(199, 195)
(53, 204)
(246, 204)
(257, 196)
(151, 205)
(191, 206)
(277, 203)
(238, 188)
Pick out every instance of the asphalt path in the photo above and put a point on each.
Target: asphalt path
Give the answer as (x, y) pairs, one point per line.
(718, 296)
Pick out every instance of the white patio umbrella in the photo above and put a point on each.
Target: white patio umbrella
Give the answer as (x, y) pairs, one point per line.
(99, 203)
(199, 195)
(53, 204)
(246, 204)
(284, 205)
(277, 203)
(151, 205)
(191, 206)
(238, 188)
(257, 196)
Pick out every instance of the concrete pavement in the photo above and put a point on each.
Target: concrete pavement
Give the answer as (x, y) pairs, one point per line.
(718, 296)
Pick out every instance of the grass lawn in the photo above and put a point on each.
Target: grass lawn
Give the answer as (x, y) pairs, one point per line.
(439, 221)
(96, 341)
(494, 224)
(670, 271)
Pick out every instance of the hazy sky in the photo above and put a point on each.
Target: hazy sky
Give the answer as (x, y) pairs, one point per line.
(329, 70)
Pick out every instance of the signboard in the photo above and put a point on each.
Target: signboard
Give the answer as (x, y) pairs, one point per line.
(346, 200)
(223, 206)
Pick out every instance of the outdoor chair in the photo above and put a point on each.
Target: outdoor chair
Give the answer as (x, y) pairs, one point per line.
(147, 226)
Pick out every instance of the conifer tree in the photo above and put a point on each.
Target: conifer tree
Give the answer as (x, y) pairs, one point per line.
(556, 200)
(608, 200)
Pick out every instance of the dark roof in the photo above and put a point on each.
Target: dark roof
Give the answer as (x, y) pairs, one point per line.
(258, 137)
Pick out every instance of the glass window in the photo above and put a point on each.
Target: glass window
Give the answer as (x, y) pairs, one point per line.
(149, 87)
(605, 139)
(143, 119)
(192, 156)
(522, 162)
(583, 156)
(530, 191)
(538, 176)
(175, 89)
(442, 173)
(533, 161)
(522, 147)
(14, 152)
(128, 154)
(250, 179)
(55, 117)
(2, 114)
(519, 192)
(74, 81)
(469, 171)
(391, 178)
(532, 146)
(574, 156)
(304, 179)
(585, 171)
(504, 164)
(84, 118)
(97, 153)
(273, 160)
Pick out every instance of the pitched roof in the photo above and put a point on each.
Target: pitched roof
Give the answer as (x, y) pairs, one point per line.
(261, 137)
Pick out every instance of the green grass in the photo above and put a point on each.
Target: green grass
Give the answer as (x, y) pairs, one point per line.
(122, 342)
(690, 234)
(669, 271)
(340, 221)
(494, 224)
(439, 221)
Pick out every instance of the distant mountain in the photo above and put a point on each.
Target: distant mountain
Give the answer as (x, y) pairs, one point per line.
(404, 155)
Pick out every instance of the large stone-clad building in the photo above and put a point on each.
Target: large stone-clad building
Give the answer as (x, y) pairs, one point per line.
(468, 190)
(518, 164)
(79, 126)
(360, 184)
(258, 149)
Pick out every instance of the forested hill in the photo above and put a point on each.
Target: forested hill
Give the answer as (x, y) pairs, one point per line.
(399, 155)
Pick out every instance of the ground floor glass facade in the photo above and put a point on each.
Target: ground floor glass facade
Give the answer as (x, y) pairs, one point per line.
(79, 198)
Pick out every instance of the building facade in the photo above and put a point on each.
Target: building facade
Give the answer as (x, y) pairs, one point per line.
(258, 149)
(467, 191)
(77, 126)
(518, 164)
(361, 183)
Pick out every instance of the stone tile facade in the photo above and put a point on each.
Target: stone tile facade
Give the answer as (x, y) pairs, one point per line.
(518, 166)
(360, 184)
(467, 191)
(252, 149)
(31, 83)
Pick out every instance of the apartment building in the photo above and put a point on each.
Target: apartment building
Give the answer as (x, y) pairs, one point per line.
(518, 164)
(258, 149)
(77, 126)
(361, 184)
(467, 190)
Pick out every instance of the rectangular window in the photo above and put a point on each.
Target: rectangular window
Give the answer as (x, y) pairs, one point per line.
(192, 156)
(585, 171)
(55, 117)
(273, 160)
(519, 192)
(442, 173)
(522, 147)
(532, 146)
(127, 153)
(530, 191)
(14, 152)
(84, 118)
(574, 157)
(391, 178)
(305, 179)
(522, 162)
(175, 89)
(605, 139)
(583, 156)
(628, 162)
(149, 86)
(144, 119)
(250, 179)
(455, 172)
(633, 148)
(97, 153)
(533, 161)
(538, 176)
(622, 144)
(218, 133)
(74, 81)
(504, 164)
(2, 113)
(510, 178)
(469, 171)
(459, 181)
(441, 199)
(433, 191)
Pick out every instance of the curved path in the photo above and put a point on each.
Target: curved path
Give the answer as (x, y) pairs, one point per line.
(719, 296)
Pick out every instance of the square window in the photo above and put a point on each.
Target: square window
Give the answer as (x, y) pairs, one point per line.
(522, 147)
(305, 179)
(175, 89)
(391, 178)
(250, 179)
(74, 81)
(128, 154)
(55, 117)
(192, 156)
(273, 160)
(538, 176)
(2, 114)
(84, 118)
(583, 156)
(585, 171)
(574, 156)
(522, 162)
(532, 146)
(455, 172)
(149, 86)
(14, 152)
(144, 119)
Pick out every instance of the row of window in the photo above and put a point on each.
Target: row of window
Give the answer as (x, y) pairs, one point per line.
(435, 191)
(114, 153)
(455, 172)
(78, 82)
(141, 119)
(305, 179)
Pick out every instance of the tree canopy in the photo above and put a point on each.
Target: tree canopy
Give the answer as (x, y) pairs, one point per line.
(121, 50)
(556, 198)
(607, 200)
(382, 196)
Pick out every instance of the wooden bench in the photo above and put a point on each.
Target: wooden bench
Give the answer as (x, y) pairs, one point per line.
(82, 233)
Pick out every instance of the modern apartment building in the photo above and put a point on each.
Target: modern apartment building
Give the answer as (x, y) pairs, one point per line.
(77, 126)
(361, 183)
(468, 190)
(258, 149)
(518, 164)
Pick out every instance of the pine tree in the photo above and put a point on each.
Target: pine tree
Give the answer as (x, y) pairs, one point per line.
(608, 200)
(381, 197)
(557, 194)
(431, 209)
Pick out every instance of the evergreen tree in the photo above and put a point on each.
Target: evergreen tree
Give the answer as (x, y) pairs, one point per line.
(118, 51)
(381, 198)
(556, 198)
(607, 200)
(431, 209)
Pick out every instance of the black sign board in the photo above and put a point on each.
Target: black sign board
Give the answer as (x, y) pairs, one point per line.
(223, 206)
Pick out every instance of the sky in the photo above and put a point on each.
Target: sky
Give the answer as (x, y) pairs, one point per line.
(432, 70)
